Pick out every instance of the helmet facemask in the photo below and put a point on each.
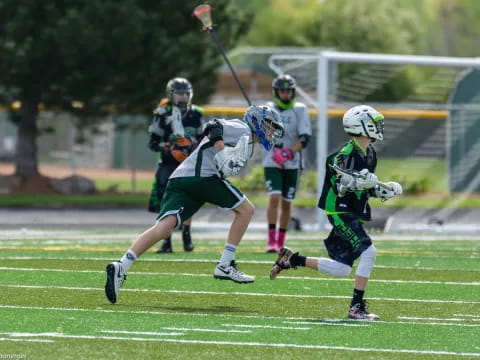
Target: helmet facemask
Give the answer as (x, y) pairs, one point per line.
(180, 86)
(284, 82)
(266, 124)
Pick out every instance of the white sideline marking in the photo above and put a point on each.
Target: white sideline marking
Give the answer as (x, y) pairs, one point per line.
(206, 261)
(209, 330)
(182, 260)
(143, 333)
(327, 322)
(27, 340)
(294, 320)
(235, 343)
(437, 319)
(467, 315)
(423, 282)
(240, 293)
(267, 327)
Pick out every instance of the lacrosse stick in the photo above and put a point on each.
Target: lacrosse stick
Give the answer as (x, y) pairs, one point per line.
(203, 13)
(356, 174)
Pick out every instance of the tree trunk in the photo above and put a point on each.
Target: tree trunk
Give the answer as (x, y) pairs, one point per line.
(26, 162)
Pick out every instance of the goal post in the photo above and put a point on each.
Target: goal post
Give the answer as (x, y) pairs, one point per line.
(323, 66)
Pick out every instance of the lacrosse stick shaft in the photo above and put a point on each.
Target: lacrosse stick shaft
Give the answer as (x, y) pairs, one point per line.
(222, 51)
(339, 170)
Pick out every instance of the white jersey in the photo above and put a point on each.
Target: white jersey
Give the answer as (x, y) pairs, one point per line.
(200, 162)
(296, 122)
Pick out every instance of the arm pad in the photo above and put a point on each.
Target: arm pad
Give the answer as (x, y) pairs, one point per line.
(214, 130)
(304, 139)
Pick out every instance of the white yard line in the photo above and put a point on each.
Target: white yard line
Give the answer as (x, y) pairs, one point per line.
(283, 319)
(239, 293)
(267, 327)
(422, 282)
(143, 333)
(237, 343)
(166, 260)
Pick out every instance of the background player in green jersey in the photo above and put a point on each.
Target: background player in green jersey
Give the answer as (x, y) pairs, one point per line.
(349, 182)
(201, 178)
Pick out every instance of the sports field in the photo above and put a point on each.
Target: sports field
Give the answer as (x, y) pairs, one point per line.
(52, 305)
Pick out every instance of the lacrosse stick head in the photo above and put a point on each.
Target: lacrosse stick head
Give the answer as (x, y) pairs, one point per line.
(266, 123)
(363, 120)
(203, 13)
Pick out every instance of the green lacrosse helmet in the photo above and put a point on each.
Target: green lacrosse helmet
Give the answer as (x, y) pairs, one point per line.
(285, 82)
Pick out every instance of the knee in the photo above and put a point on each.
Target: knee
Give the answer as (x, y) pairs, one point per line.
(367, 261)
(343, 270)
(247, 209)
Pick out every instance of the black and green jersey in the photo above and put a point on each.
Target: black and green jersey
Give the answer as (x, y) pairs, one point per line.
(351, 157)
(161, 132)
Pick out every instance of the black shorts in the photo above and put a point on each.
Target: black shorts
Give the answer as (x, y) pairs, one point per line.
(347, 240)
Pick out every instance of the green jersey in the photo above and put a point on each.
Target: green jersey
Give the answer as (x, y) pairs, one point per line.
(349, 157)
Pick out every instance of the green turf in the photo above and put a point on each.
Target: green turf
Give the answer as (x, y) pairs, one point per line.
(52, 303)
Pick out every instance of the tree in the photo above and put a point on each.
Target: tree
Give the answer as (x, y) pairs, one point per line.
(106, 54)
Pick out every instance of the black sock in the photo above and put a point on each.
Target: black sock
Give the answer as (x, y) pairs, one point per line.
(186, 229)
(282, 230)
(271, 226)
(168, 240)
(298, 260)
(357, 296)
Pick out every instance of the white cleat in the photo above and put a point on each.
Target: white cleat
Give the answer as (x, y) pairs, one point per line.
(359, 312)
(231, 272)
(115, 278)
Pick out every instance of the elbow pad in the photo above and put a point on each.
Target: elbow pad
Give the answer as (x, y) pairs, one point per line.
(304, 139)
(214, 130)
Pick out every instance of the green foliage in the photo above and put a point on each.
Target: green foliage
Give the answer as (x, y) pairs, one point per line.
(253, 180)
(412, 186)
(109, 55)
(110, 52)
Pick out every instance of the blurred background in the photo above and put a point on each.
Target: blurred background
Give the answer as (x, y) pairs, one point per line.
(79, 81)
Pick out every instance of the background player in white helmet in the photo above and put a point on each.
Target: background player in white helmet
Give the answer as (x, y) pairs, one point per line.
(284, 163)
(175, 131)
(201, 178)
(350, 181)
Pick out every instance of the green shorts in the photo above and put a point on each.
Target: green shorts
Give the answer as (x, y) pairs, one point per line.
(282, 181)
(184, 196)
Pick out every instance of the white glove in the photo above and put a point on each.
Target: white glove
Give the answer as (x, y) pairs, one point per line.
(383, 193)
(225, 163)
(367, 180)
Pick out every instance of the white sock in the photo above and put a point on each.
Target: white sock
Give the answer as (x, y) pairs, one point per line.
(128, 258)
(228, 254)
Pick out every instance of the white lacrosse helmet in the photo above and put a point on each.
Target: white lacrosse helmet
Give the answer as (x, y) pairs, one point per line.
(363, 120)
(266, 123)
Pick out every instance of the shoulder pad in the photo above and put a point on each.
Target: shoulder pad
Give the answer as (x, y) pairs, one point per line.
(198, 109)
(346, 149)
(161, 110)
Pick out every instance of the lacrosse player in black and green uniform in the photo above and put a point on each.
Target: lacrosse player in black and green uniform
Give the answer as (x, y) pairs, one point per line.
(349, 182)
(175, 131)
(201, 178)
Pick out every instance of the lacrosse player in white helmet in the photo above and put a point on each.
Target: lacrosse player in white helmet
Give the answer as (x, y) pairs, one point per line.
(350, 181)
(202, 178)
